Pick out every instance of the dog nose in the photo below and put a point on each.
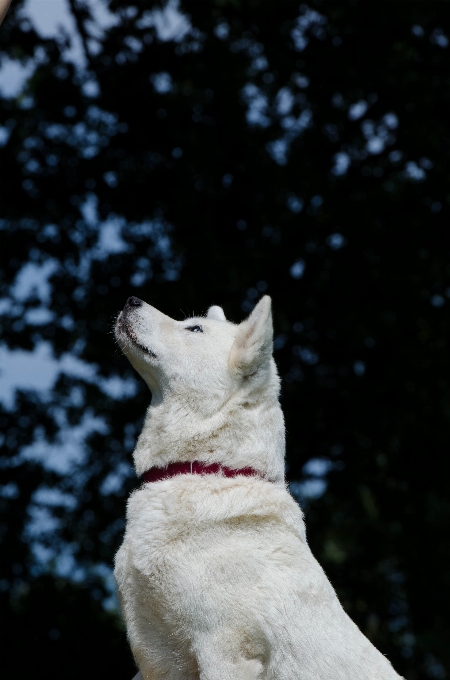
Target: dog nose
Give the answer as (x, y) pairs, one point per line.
(134, 302)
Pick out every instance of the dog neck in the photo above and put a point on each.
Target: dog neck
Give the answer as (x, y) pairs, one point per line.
(195, 467)
(240, 434)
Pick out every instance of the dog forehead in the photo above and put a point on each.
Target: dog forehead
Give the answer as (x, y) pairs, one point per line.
(216, 327)
(152, 320)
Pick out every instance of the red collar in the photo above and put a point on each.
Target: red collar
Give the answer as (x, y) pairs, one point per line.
(156, 474)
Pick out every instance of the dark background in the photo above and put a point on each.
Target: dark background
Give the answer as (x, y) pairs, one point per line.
(260, 147)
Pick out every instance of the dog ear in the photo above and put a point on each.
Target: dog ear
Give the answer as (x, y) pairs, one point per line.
(216, 313)
(253, 345)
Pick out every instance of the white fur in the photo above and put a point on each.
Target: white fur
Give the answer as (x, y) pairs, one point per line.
(216, 313)
(215, 577)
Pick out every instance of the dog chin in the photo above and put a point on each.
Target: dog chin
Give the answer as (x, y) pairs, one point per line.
(127, 339)
(120, 331)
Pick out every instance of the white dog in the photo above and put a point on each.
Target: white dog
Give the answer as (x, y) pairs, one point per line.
(215, 577)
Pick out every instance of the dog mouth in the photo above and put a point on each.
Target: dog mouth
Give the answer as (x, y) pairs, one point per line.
(125, 328)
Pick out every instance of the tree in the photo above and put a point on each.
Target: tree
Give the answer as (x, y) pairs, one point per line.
(209, 153)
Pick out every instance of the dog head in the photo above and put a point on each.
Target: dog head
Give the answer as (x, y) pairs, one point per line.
(203, 359)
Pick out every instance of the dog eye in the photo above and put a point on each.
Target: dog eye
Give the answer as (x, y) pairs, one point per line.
(194, 329)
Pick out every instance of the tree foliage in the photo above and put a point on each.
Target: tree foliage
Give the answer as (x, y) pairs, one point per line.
(208, 153)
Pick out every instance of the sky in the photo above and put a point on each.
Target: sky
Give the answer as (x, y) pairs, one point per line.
(52, 18)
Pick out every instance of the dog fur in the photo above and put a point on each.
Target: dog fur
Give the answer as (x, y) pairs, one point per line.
(215, 576)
